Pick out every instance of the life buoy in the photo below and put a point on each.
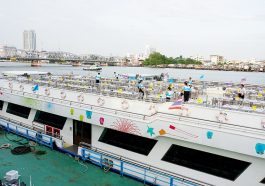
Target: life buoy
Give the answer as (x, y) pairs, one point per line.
(152, 109)
(21, 87)
(63, 95)
(80, 97)
(185, 111)
(47, 91)
(10, 85)
(222, 117)
(100, 101)
(124, 105)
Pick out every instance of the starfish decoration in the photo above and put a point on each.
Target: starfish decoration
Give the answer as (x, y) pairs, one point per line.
(150, 131)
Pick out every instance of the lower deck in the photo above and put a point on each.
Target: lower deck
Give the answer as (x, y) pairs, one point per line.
(54, 168)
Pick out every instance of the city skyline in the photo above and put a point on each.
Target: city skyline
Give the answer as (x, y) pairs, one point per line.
(232, 29)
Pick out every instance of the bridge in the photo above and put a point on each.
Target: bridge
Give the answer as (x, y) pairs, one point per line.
(61, 60)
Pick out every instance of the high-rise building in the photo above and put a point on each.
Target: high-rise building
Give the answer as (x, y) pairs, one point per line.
(29, 40)
(216, 59)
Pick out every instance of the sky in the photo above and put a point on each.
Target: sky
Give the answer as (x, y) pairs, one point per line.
(232, 28)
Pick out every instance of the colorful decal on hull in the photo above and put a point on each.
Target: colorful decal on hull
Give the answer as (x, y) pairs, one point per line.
(209, 135)
(49, 106)
(72, 111)
(88, 114)
(81, 117)
(101, 120)
(30, 102)
(260, 148)
(125, 125)
(187, 134)
(150, 131)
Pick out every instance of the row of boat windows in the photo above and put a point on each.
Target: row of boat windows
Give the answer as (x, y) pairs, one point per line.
(213, 164)
(41, 117)
(1, 104)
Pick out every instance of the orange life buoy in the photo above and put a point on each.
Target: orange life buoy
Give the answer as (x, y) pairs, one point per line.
(100, 101)
(80, 97)
(63, 95)
(124, 105)
(47, 91)
(222, 117)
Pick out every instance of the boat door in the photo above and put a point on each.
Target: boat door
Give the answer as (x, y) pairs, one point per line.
(81, 132)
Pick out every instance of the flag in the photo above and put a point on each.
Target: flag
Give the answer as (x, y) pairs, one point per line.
(202, 76)
(243, 80)
(176, 105)
(35, 88)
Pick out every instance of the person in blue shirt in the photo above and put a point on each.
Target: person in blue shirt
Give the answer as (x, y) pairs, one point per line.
(169, 93)
(98, 77)
(186, 91)
(141, 89)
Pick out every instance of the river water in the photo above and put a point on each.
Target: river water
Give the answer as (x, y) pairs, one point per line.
(224, 76)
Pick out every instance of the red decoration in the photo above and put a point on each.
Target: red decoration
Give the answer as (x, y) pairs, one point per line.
(101, 120)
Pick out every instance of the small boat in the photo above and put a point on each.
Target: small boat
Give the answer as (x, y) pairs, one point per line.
(93, 68)
(12, 179)
(36, 63)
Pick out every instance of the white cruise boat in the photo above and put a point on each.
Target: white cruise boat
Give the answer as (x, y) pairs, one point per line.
(93, 68)
(216, 139)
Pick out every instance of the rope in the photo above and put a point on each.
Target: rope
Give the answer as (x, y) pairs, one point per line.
(21, 150)
(5, 146)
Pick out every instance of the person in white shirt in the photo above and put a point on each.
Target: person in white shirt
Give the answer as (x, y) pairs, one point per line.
(98, 77)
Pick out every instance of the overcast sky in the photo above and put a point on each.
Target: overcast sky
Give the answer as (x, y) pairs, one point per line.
(233, 28)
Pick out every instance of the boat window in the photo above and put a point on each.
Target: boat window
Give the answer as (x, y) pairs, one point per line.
(214, 164)
(18, 110)
(50, 119)
(127, 141)
(263, 181)
(1, 104)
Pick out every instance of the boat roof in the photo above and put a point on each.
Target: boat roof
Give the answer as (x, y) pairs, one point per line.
(20, 73)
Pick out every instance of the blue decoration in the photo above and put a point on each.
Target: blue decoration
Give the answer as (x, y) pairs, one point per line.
(209, 134)
(150, 131)
(35, 88)
(202, 76)
(88, 114)
(260, 148)
(49, 105)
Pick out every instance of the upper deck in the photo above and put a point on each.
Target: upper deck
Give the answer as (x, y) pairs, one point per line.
(209, 109)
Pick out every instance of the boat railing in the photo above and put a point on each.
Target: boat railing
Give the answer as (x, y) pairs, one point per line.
(145, 117)
(139, 168)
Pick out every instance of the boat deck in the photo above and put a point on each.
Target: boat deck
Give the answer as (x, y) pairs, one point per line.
(55, 168)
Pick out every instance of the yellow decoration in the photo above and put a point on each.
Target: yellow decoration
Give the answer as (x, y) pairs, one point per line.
(259, 95)
(158, 95)
(199, 100)
(237, 98)
(263, 91)
(150, 89)
(119, 90)
(254, 107)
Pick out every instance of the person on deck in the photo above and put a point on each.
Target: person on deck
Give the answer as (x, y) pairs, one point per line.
(169, 93)
(98, 77)
(141, 89)
(242, 91)
(116, 76)
(190, 82)
(186, 91)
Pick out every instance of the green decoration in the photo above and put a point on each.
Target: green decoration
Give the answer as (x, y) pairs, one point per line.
(81, 117)
(72, 111)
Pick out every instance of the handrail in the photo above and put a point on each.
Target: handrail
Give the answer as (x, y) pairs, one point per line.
(140, 164)
(144, 117)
